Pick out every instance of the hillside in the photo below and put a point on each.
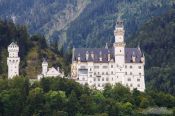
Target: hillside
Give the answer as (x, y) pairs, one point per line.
(45, 17)
(81, 22)
(157, 38)
(32, 50)
(100, 16)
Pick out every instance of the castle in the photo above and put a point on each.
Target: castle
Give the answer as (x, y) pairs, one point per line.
(13, 62)
(99, 66)
(96, 67)
(49, 72)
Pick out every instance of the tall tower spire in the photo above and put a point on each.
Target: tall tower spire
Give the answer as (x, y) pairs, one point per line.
(13, 60)
(119, 45)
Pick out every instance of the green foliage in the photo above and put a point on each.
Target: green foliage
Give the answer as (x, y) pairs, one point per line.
(19, 97)
(157, 39)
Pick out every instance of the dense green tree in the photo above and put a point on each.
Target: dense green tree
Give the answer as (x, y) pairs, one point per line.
(73, 105)
(35, 101)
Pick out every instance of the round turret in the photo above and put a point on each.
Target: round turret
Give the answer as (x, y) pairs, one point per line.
(13, 47)
(44, 63)
(44, 67)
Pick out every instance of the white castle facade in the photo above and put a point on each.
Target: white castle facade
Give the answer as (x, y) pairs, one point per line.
(49, 72)
(13, 60)
(99, 66)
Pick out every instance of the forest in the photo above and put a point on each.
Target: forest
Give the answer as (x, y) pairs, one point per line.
(157, 38)
(65, 97)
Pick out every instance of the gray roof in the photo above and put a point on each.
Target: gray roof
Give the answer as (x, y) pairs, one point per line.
(13, 44)
(103, 53)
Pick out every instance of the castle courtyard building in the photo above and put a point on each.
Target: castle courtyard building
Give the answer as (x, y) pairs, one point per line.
(99, 66)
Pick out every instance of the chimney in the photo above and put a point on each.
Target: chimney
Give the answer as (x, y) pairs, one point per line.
(106, 47)
(133, 57)
(109, 56)
(100, 57)
(143, 58)
(92, 55)
(79, 57)
(87, 55)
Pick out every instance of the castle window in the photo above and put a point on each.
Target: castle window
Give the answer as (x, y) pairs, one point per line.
(83, 67)
(130, 85)
(105, 67)
(140, 74)
(96, 67)
(90, 69)
(120, 51)
(90, 75)
(83, 71)
(138, 85)
(112, 79)
(106, 73)
(130, 73)
(94, 73)
(138, 80)
(111, 72)
(125, 66)
(127, 84)
(140, 67)
(107, 79)
(125, 73)
(129, 79)
(98, 79)
(102, 79)
(83, 78)
(111, 66)
(102, 73)
(130, 66)
(98, 85)
(94, 79)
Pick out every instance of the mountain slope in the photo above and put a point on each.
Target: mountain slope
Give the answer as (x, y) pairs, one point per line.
(32, 50)
(157, 38)
(95, 25)
(82, 23)
(42, 16)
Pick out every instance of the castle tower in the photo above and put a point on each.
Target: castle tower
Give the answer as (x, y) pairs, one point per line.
(13, 60)
(119, 45)
(44, 67)
(119, 51)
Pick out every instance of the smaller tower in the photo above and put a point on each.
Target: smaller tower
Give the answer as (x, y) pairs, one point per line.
(44, 67)
(13, 60)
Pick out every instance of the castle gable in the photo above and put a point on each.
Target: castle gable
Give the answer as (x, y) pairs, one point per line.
(129, 52)
(52, 71)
